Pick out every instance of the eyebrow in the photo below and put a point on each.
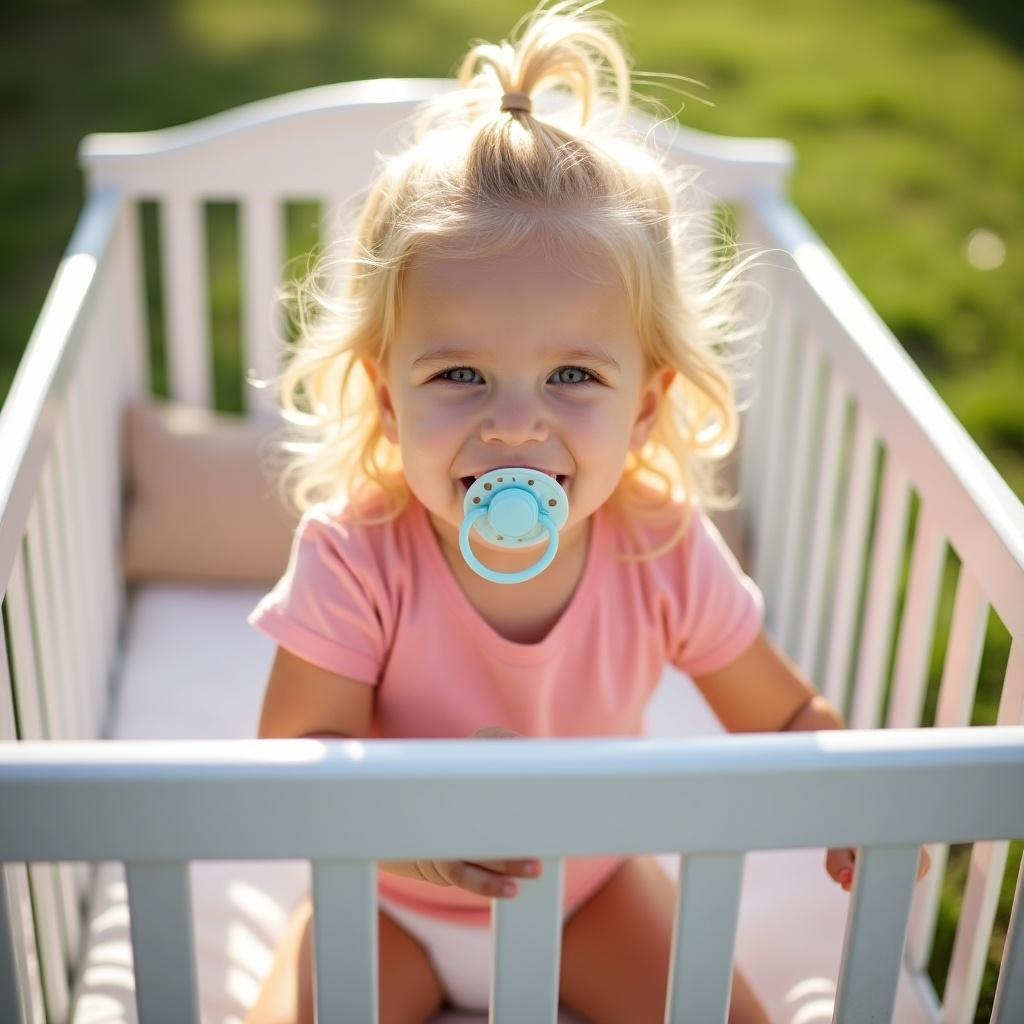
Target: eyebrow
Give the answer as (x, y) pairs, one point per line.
(447, 354)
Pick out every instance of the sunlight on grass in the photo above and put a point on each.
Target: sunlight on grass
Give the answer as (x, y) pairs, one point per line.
(233, 28)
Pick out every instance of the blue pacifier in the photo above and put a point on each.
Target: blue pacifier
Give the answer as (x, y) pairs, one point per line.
(514, 507)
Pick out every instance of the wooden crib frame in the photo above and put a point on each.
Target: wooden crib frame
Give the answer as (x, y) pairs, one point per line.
(885, 787)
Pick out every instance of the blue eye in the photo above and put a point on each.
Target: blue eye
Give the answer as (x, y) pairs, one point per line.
(456, 369)
(590, 378)
(586, 376)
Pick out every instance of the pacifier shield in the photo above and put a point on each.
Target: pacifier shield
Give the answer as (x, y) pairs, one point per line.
(516, 519)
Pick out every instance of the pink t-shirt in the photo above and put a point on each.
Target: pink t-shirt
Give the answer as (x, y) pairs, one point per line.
(381, 605)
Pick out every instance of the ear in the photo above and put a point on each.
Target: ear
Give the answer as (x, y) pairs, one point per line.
(385, 405)
(650, 402)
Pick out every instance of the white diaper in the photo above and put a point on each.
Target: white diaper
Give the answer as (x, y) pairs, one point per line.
(460, 954)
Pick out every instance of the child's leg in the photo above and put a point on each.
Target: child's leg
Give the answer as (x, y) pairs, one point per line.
(409, 990)
(616, 950)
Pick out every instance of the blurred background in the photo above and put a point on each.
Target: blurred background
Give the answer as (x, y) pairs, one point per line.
(907, 117)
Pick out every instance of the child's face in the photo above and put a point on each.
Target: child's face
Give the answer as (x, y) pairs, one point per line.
(516, 396)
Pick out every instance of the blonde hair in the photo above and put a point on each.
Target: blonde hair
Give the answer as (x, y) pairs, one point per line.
(478, 181)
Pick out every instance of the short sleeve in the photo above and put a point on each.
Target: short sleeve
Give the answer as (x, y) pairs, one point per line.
(323, 609)
(721, 609)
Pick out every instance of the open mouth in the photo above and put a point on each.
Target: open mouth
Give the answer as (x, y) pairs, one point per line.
(467, 481)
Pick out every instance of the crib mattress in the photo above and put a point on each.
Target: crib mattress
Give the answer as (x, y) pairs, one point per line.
(194, 669)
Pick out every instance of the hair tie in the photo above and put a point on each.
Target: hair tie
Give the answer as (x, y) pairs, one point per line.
(517, 101)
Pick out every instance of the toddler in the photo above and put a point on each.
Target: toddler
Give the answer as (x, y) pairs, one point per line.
(523, 289)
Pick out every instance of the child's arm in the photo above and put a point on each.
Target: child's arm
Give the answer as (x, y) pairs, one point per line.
(304, 701)
(763, 691)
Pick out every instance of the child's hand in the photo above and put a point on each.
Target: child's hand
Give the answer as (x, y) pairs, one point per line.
(482, 877)
(491, 878)
(839, 865)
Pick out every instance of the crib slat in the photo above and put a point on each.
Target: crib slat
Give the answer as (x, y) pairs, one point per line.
(60, 699)
(183, 256)
(262, 255)
(345, 941)
(13, 972)
(21, 995)
(883, 884)
(91, 522)
(73, 595)
(27, 685)
(527, 948)
(775, 487)
(21, 989)
(43, 879)
(336, 225)
(125, 266)
(1011, 700)
(104, 427)
(924, 908)
(1009, 998)
(42, 618)
(821, 527)
(752, 456)
(851, 561)
(956, 698)
(59, 611)
(163, 953)
(82, 556)
(791, 588)
(44, 887)
(1008, 1005)
(8, 725)
(879, 611)
(974, 931)
(704, 938)
(917, 628)
(963, 653)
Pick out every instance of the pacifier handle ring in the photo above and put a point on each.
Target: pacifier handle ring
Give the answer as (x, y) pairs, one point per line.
(507, 577)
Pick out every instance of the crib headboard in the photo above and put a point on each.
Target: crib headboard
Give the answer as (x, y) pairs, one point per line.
(844, 439)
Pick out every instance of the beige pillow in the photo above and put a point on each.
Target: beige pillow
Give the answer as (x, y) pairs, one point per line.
(200, 506)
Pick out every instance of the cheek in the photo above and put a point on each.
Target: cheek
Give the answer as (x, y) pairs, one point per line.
(599, 426)
(427, 425)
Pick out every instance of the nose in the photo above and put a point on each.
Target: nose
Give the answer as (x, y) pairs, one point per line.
(513, 419)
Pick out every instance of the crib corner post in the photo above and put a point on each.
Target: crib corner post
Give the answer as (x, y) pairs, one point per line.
(1009, 998)
(16, 976)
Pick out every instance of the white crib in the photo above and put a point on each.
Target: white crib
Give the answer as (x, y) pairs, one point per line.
(88, 659)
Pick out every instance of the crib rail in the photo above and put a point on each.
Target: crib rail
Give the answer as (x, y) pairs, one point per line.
(159, 805)
(836, 396)
(317, 144)
(841, 429)
(60, 515)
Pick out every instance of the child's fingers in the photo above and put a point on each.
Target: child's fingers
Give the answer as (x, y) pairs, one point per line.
(924, 865)
(477, 878)
(839, 865)
(528, 867)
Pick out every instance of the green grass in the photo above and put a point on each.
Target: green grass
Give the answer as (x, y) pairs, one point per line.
(905, 114)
